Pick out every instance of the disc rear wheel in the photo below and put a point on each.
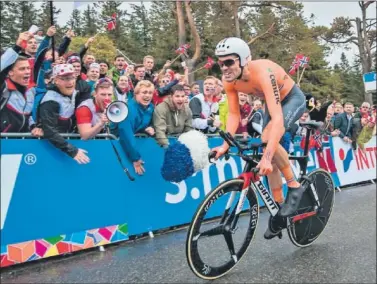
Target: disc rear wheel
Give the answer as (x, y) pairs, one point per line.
(304, 232)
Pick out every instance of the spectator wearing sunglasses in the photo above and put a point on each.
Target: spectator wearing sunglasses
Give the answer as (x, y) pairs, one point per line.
(56, 112)
(90, 114)
(138, 121)
(164, 88)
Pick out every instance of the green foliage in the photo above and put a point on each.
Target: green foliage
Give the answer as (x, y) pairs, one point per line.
(102, 48)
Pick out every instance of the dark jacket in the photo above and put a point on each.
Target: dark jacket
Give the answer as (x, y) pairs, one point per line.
(16, 101)
(342, 123)
(56, 113)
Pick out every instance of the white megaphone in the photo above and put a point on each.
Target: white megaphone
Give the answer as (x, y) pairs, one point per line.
(117, 111)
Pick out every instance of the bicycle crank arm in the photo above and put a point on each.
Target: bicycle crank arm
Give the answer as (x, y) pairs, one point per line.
(303, 216)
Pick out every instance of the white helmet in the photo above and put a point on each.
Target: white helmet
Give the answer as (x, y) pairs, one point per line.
(234, 45)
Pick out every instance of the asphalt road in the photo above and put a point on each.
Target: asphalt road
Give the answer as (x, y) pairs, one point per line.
(344, 253)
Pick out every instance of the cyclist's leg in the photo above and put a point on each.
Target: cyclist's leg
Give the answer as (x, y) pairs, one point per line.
(293, 107)
(276, 184)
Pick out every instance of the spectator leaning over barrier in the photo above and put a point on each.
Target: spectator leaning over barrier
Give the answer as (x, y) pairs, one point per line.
(17, 96)
(172, 117)
(343, 122)
(123, 90)
(104, 68)
(203, 108)
(57, 109)
(138, 121)
(148, 63)
(90, 114)
(118, 69)
(93, 75)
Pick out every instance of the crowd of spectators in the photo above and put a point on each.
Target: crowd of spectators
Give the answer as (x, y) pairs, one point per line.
(68, 92)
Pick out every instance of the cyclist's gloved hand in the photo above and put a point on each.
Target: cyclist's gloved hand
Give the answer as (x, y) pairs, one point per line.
(264, 166)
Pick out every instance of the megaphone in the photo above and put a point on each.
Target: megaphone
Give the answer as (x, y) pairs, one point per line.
(117, 111)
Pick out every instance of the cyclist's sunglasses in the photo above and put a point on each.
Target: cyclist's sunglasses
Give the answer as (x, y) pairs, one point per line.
(227, 63)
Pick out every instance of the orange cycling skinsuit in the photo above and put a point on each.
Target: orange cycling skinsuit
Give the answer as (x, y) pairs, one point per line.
(284, 105)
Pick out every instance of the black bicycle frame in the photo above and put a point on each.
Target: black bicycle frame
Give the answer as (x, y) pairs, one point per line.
(258, 186)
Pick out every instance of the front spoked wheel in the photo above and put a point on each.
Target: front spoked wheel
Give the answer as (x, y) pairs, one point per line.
(304, 232)
(222, 229)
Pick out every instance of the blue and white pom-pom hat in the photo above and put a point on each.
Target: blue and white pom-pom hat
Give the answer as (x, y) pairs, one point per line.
(185, 157)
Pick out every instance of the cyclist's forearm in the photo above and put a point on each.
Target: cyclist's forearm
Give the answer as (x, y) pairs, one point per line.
(232, 125)
(275, 133)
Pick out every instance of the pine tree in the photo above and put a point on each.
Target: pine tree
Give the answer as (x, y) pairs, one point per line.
(90, 21)
(75, 22)
(27, 15)
(44, 18)
(9, 33)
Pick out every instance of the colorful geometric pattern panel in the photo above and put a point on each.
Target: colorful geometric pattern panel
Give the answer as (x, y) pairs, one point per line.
(59, 245)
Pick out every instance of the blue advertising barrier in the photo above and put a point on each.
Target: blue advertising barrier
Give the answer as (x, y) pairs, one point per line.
(60, 206)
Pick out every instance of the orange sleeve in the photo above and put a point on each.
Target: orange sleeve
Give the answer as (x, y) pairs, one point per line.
(83, 115)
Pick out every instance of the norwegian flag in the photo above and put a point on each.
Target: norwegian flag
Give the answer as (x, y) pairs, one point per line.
(210, 63)
(293, 68)
(304, 61)
(318, 140)
(111, 22)
(182, 49)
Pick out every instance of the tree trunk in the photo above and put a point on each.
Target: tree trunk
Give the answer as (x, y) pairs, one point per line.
(181, 24)
(194, 32)
(235, 7)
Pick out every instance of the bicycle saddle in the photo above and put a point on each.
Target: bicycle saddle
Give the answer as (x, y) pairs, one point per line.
(312, 124)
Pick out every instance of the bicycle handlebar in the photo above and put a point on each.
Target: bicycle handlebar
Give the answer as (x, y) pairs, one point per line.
(233, 142)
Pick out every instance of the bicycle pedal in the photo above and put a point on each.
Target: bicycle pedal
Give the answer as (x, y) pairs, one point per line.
(280, 235)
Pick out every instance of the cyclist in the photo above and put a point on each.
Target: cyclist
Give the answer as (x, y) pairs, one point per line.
(285, 103)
